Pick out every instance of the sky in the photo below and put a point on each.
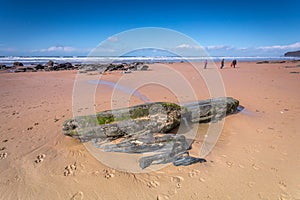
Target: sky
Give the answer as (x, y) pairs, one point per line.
(65, 27)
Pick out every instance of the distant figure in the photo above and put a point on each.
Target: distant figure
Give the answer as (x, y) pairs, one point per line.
(205, 64)
(222, 63)
(233, 63)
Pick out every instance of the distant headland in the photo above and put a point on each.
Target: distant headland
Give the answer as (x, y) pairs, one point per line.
(292, 54)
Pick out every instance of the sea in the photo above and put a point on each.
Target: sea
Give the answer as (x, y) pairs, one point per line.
(27, 60)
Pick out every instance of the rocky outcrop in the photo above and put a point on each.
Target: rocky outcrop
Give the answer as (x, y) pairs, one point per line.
(39, 67)
(146, 128)
(136, 66)
(24, 69)
(18, 64)
(292, 54)
(2, 66)
(50, 63)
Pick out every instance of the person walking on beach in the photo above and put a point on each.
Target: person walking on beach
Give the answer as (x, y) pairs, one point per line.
(222, 63)
(233, 63)
(205, 64)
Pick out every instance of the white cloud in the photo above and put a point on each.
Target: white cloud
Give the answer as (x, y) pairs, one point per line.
(59, 48)
(218, 47)
(63, 49)
(281, 47)
(187, 46)
(113, 39)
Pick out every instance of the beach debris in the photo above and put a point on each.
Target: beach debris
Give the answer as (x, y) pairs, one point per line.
(159, 117)
(56, 119)
(146, 128)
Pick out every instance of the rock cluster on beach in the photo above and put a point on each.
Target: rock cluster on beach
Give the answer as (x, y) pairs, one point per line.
(83, 68)
(50, 66)
(125, 67)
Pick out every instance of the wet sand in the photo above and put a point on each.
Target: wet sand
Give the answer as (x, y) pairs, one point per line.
(256, 157)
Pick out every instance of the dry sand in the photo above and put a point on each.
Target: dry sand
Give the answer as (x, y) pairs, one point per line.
(256, 157)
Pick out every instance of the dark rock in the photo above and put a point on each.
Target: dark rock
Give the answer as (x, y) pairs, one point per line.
(142, 67)
(278, 61)
(18, 64)
(50, 63)
(262, 62)
(63, 66)
(25, 69)
(20, 69)
(39, 67)
(114, 67)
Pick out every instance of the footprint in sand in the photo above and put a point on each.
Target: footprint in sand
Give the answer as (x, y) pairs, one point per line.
(177, 179)
(3, 155)
(229, 163)
(153, 184)
(274, 169)
(70, 169)
(255, 167)
(251, 184)
(40, 158)
(282, 185)
(284, 196)
(109, 173)
(194, 173)
(77, 196)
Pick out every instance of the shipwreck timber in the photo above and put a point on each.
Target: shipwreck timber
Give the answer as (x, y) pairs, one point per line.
(146, 128)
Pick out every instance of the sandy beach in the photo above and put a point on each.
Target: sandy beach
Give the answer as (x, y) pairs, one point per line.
(256, 157)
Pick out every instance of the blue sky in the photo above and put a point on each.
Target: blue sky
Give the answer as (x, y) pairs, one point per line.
(222, 27)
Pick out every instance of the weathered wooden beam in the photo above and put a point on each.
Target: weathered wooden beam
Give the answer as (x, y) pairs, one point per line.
(145, 128)
(159, 117)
